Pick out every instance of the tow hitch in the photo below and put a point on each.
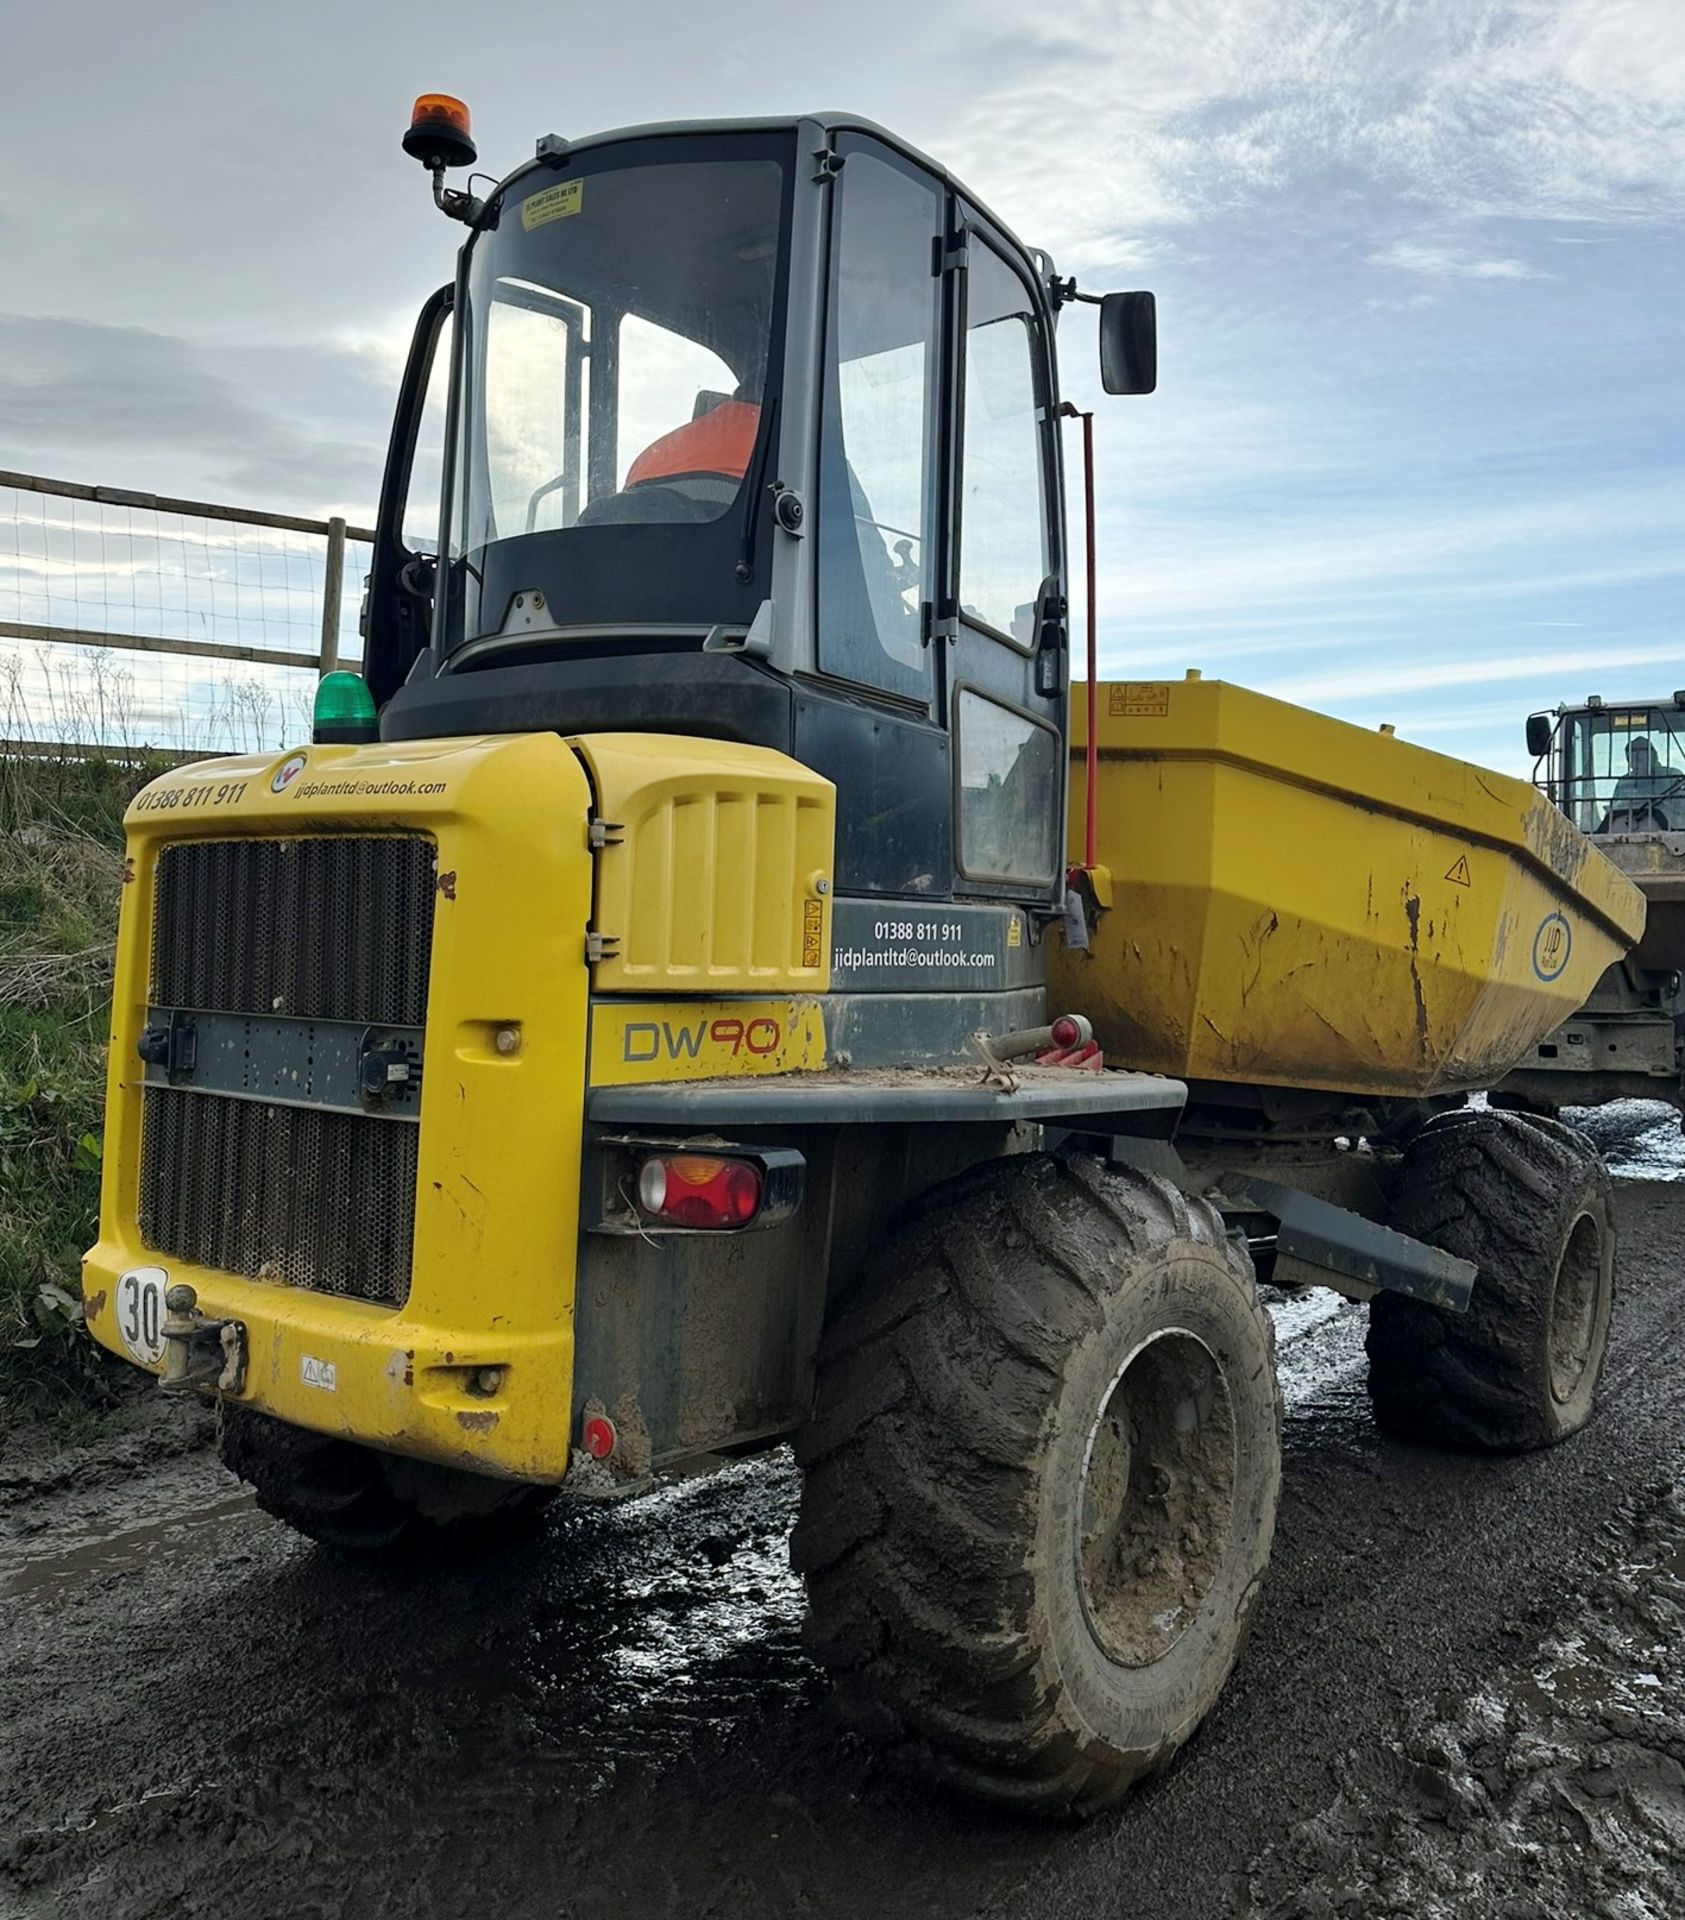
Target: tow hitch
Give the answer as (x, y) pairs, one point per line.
(199, 1351)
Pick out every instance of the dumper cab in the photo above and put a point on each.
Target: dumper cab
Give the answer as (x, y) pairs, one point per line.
(754, 437)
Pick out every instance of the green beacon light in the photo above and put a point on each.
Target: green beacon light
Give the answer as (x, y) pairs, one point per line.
(343, 715)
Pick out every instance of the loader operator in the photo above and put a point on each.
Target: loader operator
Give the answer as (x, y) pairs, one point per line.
(705, 459)
(698, 468)
(1640, 790)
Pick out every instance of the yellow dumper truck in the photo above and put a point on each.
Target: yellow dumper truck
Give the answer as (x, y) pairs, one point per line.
(660, 1015)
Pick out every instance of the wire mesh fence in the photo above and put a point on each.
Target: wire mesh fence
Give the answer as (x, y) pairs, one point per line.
(132, 621)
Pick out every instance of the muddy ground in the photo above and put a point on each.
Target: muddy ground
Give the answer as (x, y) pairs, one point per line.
(1465, 1693)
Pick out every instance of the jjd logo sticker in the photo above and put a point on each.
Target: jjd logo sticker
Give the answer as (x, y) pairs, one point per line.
(1551, 946)
(287, 772)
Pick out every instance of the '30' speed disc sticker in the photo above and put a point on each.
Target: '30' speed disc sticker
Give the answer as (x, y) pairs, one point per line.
(140, 1312)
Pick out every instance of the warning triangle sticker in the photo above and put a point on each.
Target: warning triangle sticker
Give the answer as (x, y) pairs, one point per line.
(1459, 874)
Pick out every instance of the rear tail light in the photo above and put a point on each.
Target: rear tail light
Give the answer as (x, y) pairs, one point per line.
(675, 1188)
(699, 1190)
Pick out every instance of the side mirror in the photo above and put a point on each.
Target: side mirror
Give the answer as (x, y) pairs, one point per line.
(1539, 731)
(1129, 343)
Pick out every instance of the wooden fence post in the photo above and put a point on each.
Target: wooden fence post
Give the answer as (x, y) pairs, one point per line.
(333, 576)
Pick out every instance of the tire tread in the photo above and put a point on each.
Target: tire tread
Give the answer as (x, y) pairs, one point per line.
(924, 1612)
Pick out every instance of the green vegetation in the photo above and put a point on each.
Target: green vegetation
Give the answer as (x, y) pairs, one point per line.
(60, 874)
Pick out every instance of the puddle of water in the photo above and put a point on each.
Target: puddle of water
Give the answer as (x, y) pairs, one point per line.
(131, 1551)
(652, 1629)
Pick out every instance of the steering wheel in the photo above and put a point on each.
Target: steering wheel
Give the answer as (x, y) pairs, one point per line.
(1637, 812)
(539, 496)
(1635, 819)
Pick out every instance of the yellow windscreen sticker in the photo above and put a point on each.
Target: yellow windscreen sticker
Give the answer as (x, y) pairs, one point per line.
(1139, 699)
(554, 203)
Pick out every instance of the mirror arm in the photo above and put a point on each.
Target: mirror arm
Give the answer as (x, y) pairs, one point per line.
(1064, 290)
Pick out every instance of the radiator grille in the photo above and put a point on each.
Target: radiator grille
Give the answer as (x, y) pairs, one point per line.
(324, 927)
(329, 927)
(303, 1196)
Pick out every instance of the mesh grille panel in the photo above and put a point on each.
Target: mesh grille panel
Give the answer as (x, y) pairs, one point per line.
(299, 1195)
(321, 927)
(328, 927)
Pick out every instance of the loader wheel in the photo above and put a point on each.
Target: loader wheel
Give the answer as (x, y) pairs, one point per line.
(1040, 1483)
(1528, 1201)
(357, 1500)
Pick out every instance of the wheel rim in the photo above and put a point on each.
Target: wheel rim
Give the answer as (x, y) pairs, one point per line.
(1157, 1497)
(1575, 1299)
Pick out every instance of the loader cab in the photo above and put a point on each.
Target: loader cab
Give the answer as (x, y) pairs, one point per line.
(751, 433)
(1614, 768)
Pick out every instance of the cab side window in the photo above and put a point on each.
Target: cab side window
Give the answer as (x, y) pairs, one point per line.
(1003, 517)
(1008, 781)
(878, 430)
(420, 532)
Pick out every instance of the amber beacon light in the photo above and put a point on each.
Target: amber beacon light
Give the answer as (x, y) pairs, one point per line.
(439, 132)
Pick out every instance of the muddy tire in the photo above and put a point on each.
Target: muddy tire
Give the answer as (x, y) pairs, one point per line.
(1040, 1485)
(1528, 1201)
(356, 1500)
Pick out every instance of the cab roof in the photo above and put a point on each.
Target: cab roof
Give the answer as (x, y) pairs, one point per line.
(819, 124)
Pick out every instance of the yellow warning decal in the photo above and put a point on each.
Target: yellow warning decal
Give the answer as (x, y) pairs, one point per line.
(1139, 699)
(1014, 932)
(554, 203)
(813, 932)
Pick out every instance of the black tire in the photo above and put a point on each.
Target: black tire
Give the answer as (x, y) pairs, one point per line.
(988, 1580)
(1528, 1201)
(356, 1500)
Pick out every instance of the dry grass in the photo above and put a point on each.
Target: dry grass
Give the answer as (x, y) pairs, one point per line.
(60, 875)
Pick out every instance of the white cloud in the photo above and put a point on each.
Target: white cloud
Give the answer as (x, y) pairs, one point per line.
(1456, 550)
(1450, 262)
(1411, 676)
(1526, 108)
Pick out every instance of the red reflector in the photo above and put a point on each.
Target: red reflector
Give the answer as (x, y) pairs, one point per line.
(700, 1190)
(1066, 1032)
(599, 1437)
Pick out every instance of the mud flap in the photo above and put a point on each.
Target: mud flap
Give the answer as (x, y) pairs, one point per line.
(1331, 1246)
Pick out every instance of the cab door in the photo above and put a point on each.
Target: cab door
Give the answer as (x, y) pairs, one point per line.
(1003, 629)
(871, 717)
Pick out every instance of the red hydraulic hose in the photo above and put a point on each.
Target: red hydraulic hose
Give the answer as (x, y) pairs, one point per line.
(1092, 771)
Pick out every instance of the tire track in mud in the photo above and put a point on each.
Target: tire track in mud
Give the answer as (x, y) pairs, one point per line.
(1555, 1790)
(212, 1717)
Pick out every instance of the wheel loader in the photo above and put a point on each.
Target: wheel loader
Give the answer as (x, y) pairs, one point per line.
(1616, 769)
(663, 1012)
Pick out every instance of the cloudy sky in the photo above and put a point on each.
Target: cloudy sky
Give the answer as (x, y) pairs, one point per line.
(1418, 452)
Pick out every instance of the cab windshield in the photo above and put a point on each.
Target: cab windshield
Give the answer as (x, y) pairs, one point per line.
(615, 377)
(1624, 769)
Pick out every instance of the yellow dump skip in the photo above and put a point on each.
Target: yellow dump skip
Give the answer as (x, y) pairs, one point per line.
(1300, 902)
